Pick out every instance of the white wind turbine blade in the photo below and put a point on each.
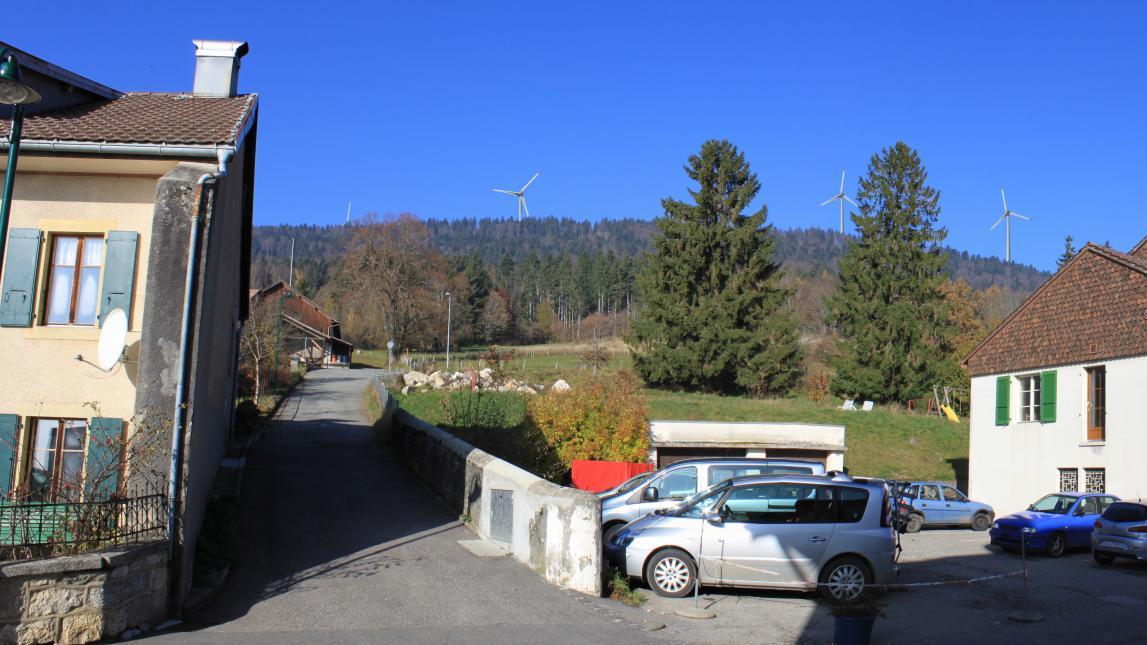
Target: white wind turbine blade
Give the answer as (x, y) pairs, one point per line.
(1023, 217)
(504, 192)
(522, 200)
(830, 200)
(849, 200)
(1002, 218)
(842, 182)
(528, 185)
(1005, 198)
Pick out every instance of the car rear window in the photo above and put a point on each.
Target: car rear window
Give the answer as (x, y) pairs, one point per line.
(853, 501)
(789, 470)
(1124, 512)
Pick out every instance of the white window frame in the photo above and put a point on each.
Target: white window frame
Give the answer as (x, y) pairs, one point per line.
(1030, 388)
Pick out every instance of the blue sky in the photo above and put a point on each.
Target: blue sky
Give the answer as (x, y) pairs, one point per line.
(425, 107)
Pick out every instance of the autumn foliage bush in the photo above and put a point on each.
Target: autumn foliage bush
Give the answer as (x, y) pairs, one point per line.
(604, 419)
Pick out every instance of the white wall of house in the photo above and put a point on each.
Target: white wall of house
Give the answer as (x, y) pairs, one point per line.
(1012, 466)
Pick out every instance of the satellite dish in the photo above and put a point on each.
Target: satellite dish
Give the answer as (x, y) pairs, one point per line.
(113, 335)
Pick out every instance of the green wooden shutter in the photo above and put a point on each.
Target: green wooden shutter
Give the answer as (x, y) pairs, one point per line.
(1003, 400)
(103, 462)
(9, 440)
(19, 292)
(1047, 397)
(119, 272)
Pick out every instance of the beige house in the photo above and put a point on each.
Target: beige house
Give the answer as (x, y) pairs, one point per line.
(139, 202)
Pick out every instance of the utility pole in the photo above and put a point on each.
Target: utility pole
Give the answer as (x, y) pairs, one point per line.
(291, 275)
(449, 319)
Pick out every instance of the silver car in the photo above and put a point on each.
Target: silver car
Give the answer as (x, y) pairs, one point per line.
(673, 484)
(794, 532)
(1121, 532)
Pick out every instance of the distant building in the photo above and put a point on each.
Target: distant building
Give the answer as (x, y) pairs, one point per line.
(311, 334)
(1058, 389)
(140, 202)
(672, 441)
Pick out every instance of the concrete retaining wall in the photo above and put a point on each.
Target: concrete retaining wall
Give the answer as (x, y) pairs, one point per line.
(555, 530)
(83, 598)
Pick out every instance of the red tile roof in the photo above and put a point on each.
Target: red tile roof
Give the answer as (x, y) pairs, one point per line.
(144, 118)
(1093, 309)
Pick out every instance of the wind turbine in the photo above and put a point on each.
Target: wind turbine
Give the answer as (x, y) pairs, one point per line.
(841, 197)
(1008, 215)
(521, 195)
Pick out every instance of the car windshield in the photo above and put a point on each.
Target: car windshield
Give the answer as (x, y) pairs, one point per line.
(633, 482)
(704, 496)
(1055, 504)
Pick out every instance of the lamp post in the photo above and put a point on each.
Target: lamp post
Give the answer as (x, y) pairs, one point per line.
(17, 94)
(449, 319)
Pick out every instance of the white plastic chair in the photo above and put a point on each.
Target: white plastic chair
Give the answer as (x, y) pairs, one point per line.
(849, 405)
(868, 406)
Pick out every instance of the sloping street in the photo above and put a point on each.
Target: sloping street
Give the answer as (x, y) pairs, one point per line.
(340, 544)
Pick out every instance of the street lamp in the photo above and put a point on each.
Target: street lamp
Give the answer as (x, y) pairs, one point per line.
(17, 94)
(449, 319)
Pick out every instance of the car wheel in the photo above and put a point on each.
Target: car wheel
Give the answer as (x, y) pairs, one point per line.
(671, 573)
(1102, 558)
(915, 523)
(1056, 545)
(981, 522)
(609, 531)
(845, 579)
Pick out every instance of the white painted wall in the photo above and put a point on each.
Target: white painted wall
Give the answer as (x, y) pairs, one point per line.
(1012, 466)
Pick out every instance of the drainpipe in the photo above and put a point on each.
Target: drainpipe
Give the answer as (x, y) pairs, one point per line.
(203, 211)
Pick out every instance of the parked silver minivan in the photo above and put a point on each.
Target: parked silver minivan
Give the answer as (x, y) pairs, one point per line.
(680, 480)
(794, 532)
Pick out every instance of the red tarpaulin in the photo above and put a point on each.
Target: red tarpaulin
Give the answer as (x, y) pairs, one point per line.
(596, 476)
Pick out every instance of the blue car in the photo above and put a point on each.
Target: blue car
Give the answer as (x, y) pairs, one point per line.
(1054, 524)
(936, 504)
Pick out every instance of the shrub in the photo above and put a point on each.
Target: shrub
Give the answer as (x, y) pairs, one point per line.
(604, 419)
(817, 385)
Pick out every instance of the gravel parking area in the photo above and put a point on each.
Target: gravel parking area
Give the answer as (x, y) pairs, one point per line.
(1079, 601)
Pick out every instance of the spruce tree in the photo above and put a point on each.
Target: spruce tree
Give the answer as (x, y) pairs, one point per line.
(1068, 252)
(889, 307)
(713, 314)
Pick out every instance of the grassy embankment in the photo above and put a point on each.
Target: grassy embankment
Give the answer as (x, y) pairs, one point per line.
(886, 442)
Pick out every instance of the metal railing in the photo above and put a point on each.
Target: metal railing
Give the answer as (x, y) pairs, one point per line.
(33, 528)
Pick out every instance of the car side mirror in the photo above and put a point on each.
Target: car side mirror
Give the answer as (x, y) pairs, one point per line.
(713, 517)
(650, 494)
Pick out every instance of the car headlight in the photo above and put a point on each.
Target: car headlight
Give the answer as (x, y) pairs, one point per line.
(995, 525)
(624, 538)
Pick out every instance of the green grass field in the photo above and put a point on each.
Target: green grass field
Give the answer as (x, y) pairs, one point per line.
(886, 442)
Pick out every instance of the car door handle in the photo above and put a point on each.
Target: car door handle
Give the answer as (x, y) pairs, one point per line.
(817, 538)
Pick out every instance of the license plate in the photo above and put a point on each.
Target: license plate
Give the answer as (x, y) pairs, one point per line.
(1108, 544)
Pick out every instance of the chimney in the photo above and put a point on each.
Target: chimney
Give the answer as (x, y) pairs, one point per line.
(217, 67)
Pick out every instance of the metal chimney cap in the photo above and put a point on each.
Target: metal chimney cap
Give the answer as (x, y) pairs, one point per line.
(222, 48)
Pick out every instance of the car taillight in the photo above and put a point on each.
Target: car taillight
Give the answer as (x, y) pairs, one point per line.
(1138, 529)
(885, 511)
(1098, 524)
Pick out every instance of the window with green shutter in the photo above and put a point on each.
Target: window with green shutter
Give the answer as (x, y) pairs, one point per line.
(1003, 400)
(20, 265)
(102, 466)
(119, 272)
(1047, 403)
(9, 438)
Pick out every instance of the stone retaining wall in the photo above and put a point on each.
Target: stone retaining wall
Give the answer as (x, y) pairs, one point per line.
(83, 598)
(553, 529)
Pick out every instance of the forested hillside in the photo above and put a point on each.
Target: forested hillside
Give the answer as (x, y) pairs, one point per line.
(805, 251)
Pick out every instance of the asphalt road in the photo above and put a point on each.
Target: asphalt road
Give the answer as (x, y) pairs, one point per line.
(341, 545)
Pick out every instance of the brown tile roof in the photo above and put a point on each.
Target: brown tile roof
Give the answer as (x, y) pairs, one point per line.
(147, 118)
(1093, 309)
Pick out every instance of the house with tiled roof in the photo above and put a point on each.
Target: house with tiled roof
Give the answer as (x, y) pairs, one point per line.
(1058, 389)
(131, 210)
